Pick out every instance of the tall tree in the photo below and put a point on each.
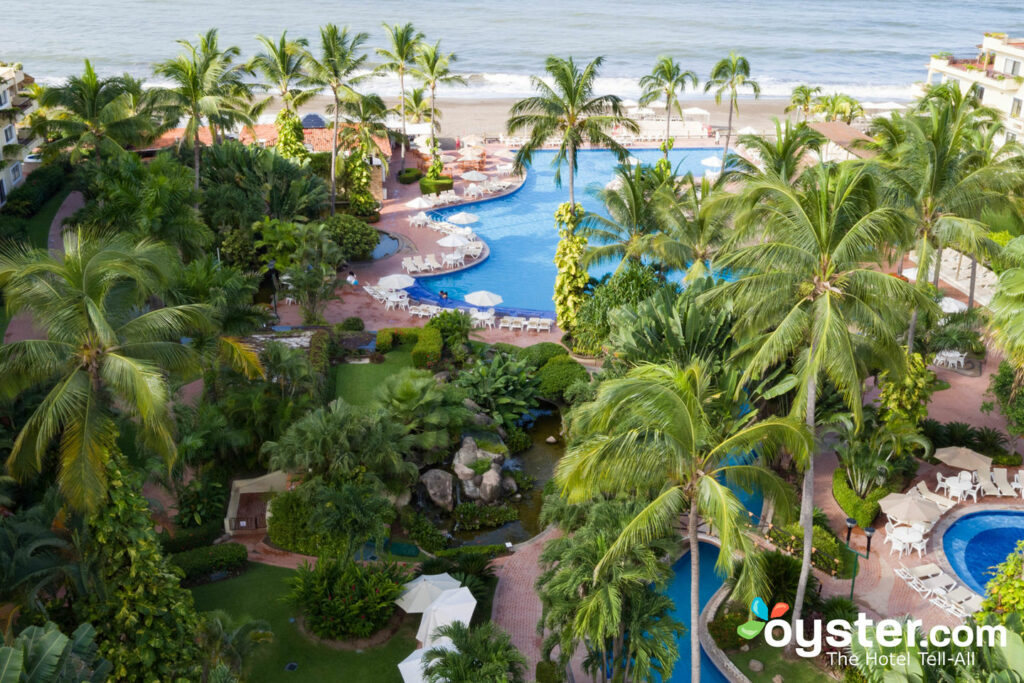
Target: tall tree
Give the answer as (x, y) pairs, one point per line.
(668, 79)
(281, 64)
(802, 99)
(417, 107)
(695, 230)
(781, 155)
(483, 654)
(100, 357)
(808, 293)
(336, 68)
(728, 77)
(403, 44)
(433, 67)
(630, 232)
(569, 110)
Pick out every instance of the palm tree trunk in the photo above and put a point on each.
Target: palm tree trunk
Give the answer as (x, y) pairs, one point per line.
(195, 157)
(572, 163)
(668, 123)
(938, 267)
(694, 595)
(911, 331)
(401, 109)
(334, 151)
(433, 125)
(728, 136)
(806, 512)
(974, 279)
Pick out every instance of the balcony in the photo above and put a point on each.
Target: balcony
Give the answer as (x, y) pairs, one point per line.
(977, 71)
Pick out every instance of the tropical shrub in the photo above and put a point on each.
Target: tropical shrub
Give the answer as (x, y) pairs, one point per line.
(422, 531)
(385, 340)
(356, 238)
(826, 555)
(13, 228)
(908, 396)
(517, 439)
(581, 391)
(572, 275)
(187, 539)
(435, 185)
(524, 482)
(627, 286)
(25, 200)
(839, 608)
(470, 516)
(557, 375)
(483, 649)
(201, 502)
(453, 326)
(480, 465)
(1004, 593)
(42, 654)
(319, 344)
(199, 563)
(410, 175)
(462, 554)
(291, 143)
(864, 510)
(430, 414)
(351, 324)
(346, 600)
(502, 386)
(539, 354)
(547, 671)
(782, 573)
(723, 629)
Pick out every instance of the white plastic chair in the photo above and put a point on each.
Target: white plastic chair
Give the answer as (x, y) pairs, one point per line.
(940, 482)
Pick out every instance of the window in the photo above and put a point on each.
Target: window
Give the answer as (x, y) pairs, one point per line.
(3, 98)
(1012, 67)
(9, 134)
(15, 172)
(1011, 137)
(1015, 108)
(3, 192)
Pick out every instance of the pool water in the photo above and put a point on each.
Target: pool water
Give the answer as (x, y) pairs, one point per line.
(519, 228)
(977, 542)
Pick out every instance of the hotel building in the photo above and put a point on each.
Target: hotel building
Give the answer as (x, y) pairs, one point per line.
(13, 109)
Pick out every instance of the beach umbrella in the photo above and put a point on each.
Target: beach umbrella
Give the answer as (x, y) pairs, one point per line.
(412, 666)
(629, 104)
(910, 274)
(483, 298)
(747, 130)
(963, 458)
(472, 140)
(396, 281)
(951, 305)
(463, 218)
(451, 606)
(447, 158)
(711, 162)
(473, 176)
(420, 203)
(423, 590)
(909, 509)
(452, 241)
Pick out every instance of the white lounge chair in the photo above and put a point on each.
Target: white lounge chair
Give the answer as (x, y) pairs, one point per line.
(431, 261)
(985, 484)
(999, 478)
(943, 502)
(420, 265)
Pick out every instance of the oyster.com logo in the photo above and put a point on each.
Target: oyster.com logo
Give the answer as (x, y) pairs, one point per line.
(753, 628)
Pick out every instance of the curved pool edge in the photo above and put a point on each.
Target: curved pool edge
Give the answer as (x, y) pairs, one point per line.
(951, 518)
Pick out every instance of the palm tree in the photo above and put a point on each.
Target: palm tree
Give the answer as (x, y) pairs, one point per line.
(433, 68)
(1007, 322)
(728, 76)
(404, 43)
(802, 99)
(91, 114)
(417, 107)
(430, 413)
(482, 653)
(227, 641)
(838, 107)
(570, 110)
(669, 432)
(667, 79)
(782, 155)
(694, 230)
(630, 232)
(809, 294)
(336, 68)
(99, 358)
(205, 85)
(281, 64)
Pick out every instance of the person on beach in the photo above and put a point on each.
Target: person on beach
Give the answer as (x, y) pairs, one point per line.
(352, 279)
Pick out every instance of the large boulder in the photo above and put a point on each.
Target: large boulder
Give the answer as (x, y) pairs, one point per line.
(462, 472)
(509, 484)
(471, 487)
(439, 487)
(490, 486)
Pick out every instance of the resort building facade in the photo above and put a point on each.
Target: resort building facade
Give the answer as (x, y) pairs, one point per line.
(15, 141)
(997, 72)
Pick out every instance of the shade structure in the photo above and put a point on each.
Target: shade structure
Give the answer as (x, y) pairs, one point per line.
(423, 590)
(452, 241)
(747, 130)
(951, 305)
(447, 158)
(451, 606)
(909, 509)
(396, 281)
(472, 140)
(411, 667)
(483, 298)
(629, 103)
(696, 113)
(962, 458)
(419, 203)
(473, 176)
(711, 161)
(463, 218)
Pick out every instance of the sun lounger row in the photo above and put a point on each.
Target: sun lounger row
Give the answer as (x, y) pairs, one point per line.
(416, 264)
(518, 323)
(940, 589)
(424, 310)
(986, 482)
(489, 186)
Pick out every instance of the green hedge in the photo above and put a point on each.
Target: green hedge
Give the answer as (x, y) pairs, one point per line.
(471, 516)
(538, 354)
(26, 199)
(14, 228)
(549, 672)
(422, 531)
(318, 345)
(557, 375)
(187, 539)
(427, 343)
(428, 186)
(351, 324)
(201, 562)
(407, 176)
(864, 510)
(286, 526)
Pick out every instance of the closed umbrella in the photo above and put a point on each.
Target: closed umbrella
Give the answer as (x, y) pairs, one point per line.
(483, 298)
(909, 509)
(423, 590)
(951, 305)
(419, 203)
(396, 281)
(473, 176)
(412, 666)
(711, 161)
(463, 218)
(963, 458)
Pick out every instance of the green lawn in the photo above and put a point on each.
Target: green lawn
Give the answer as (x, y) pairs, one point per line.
(257, 594)
(358, 383)
(39, 225)
(792, 670)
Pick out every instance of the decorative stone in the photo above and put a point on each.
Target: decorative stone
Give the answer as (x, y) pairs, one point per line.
(470, 489)
(744, 648)
(777, 678)
(462, 472)
(756, 666)
(442, 377)
(509, 484)
(439, 487)
(551, 439)
(490, 487)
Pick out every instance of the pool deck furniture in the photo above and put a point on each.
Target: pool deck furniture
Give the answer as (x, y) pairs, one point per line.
(950, 358)
(999, 478)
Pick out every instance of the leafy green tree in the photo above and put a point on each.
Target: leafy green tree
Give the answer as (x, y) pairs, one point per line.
(100, 358)
(572, 276)
(838, 107)
(630, 232)
(668, 79)
(433, 67)
(728, 77)
(802, 99)
(282, 65)
(568, 110)
(366, 114)
(906, 396)
(871, 452)
(628, 286)
(1006, 324)
(353, 511)
(291, 140)
(398, 56)
(695, 230)
(482, 653)
(42, 654)
(502, 387)
(226, 641)
(677, 445)
(417, 108)
(431, 414)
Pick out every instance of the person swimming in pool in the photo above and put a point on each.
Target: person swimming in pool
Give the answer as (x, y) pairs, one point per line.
(444, 295)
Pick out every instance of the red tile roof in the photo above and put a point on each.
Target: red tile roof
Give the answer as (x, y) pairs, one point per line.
(319, 139)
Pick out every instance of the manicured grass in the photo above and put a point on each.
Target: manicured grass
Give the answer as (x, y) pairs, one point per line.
(357, 384)
(792, 670)
(257, 594)
(39, 225)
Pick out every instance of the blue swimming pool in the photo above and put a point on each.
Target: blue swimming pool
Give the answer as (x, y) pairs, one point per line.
(519, 228)
(977, 542)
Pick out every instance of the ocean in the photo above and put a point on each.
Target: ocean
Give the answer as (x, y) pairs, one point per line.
(870, 49)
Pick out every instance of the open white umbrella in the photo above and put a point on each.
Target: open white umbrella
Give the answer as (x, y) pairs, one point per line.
(451, 606)
(962, 458)
(909, 509)
(951, 305)
(396, 281)
(473, 176)
(747, 130)
(483, 298)
(419, 203)
(472, 140)
(695, 112)
(423, 590)
(447, 158)
(711, 162)
(411, 667)
(452, 241)
(463, 218)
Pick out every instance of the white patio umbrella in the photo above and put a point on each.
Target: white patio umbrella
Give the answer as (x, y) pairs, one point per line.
(423, 590)
(472, 140)
(910, 274)
(629, 103)
(396, 281)
(451, 606)
(452, 241)
(473, 176)
(463, 218)
(411, 667)
(711, 161)
(483, 298)
(909, 509)
(962, 458)
(951, 305)
(747, 130)
(447, 158)
(419, 203)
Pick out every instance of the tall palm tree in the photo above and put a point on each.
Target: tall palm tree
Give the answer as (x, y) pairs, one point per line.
(569, 110)
(694, 230)
(282, 65)
(482, 653)
(808, 293)
(802, 99)
(838, 107)
(336, 68)
(667, 79)
(417, 107)
(782, 155)
(670, 433)
(90, 114)
(728, 77)
(403, 44)
(1007, 322)
(100, 356)
(206, 85)
(630, 231)
(433, 67)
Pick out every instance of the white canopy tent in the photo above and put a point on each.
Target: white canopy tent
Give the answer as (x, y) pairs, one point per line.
(451, 606)
(423, 590)
(697, 114)
(411, 667)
